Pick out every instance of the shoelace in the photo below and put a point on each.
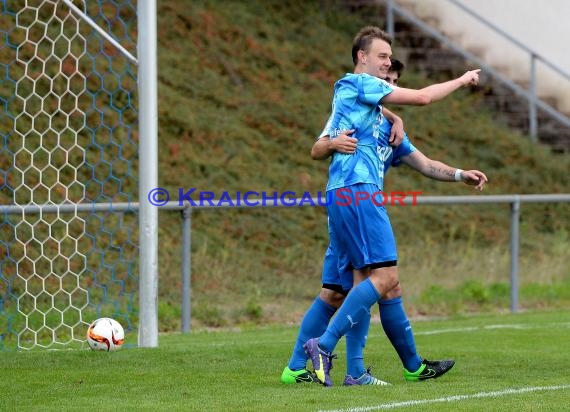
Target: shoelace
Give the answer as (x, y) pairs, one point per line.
(331, 357)
(375, 380)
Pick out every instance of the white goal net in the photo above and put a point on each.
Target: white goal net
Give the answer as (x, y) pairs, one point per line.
(69, 138)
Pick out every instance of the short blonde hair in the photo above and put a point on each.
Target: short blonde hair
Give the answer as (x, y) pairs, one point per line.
(364, 37)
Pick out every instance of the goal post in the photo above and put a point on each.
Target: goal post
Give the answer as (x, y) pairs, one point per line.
(148, 125)
(72, 135)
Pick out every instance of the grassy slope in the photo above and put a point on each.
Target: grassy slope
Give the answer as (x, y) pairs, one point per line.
(244, 88)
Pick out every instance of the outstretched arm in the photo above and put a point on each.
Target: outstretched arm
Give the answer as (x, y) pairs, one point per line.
(431, 93)
(437, 170)
(325, 146)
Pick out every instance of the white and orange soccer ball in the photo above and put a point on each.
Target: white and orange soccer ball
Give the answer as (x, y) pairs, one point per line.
(105, 334)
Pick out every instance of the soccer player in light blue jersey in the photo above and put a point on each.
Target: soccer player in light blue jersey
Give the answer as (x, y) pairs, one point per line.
(361, 231)
(334, 286)
(335, 283)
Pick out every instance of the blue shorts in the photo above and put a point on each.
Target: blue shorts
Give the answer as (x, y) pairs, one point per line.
(337, 278)
(360, 227)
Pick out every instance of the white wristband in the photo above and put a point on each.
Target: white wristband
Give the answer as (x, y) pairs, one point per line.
(458, 175)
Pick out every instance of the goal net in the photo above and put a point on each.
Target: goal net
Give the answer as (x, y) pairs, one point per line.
(69, 153)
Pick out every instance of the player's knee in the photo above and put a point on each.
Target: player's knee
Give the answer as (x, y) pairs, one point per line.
(393, 280)
(393, 293)
(332, 297)
(386, 281)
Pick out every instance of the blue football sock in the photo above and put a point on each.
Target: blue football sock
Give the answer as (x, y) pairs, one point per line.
(313, 324)
(399, 332)
(355, 307)
(355, 343)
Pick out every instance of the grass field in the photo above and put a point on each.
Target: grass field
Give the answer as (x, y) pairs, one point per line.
(504, 362)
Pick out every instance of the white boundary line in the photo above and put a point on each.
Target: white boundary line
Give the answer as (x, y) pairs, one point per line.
(373, 335)
(519, 326)
(453, 398)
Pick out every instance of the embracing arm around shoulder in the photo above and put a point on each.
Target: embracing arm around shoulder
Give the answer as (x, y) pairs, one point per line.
(397, 131)
(437, 170)
(324, 147)
(431, 93)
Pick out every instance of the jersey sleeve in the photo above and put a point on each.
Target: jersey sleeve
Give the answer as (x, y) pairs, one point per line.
(326, 130)
(372, 89)
(405, 148)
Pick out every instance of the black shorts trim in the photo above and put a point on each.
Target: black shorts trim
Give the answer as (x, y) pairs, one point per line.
(335, 288)
(386, 264)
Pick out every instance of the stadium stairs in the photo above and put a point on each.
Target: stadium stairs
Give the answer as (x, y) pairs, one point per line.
(426, 54)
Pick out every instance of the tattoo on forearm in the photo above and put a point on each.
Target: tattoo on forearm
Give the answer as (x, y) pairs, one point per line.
(442, 172)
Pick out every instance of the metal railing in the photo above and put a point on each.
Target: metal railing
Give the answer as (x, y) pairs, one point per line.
(530, 95)
(186, 209)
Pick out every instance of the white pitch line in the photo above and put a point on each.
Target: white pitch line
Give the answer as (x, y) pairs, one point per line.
(506, 327)
(518, 326)
(453, 398)
(449, 330)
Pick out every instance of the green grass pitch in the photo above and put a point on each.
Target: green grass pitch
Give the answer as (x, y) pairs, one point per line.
(504, 362)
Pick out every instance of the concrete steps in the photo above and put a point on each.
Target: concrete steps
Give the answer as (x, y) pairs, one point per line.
(421, 52)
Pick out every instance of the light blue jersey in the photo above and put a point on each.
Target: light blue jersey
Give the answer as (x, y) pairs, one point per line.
(356, 105)
(336, 270)
(389, 156)
(359, 244)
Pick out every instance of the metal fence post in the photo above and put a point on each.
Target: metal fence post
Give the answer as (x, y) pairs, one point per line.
(186, 267)
(533, 123)
(515, 212)
(390, 17)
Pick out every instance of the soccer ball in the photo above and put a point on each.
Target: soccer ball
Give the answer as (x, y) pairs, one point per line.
(105, 334)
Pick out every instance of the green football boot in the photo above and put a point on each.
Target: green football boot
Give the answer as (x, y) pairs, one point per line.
(301, 376)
